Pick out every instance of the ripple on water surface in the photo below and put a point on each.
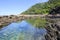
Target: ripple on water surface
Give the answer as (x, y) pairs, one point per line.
(22, 31)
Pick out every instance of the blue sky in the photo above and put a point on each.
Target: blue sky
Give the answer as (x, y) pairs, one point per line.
(8, 7)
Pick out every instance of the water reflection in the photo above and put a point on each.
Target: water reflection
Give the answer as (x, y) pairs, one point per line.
(22, 31)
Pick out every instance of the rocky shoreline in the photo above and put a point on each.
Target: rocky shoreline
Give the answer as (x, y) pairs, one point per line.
(53, 28)
(5, 20)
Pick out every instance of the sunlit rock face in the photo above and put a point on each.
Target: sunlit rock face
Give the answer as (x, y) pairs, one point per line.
(22, 31)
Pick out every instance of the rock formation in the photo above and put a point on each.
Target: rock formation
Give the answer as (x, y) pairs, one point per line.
(53, 25)
(53, 30)
(5, 20)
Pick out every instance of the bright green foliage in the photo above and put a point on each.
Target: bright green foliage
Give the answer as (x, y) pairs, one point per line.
(37, 9)
(54, 3)
(42, 8)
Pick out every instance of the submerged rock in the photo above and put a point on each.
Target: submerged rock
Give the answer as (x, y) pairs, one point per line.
(22, 31)
(53, 25)
(53, 32)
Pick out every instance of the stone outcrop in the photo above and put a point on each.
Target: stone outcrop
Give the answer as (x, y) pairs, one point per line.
(5, 20)
(53, 29)
(53, 25)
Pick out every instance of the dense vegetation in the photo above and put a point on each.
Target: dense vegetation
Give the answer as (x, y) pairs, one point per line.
(55, 10)
(42, 8)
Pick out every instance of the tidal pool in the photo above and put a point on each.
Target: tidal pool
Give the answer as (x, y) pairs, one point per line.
(22, 31)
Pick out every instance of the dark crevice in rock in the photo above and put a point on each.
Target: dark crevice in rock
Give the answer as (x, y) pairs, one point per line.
(53, 25)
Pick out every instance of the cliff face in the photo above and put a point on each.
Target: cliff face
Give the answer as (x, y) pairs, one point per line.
(53, 28)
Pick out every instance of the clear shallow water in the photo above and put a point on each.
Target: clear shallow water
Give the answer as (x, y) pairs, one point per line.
(22, 31)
